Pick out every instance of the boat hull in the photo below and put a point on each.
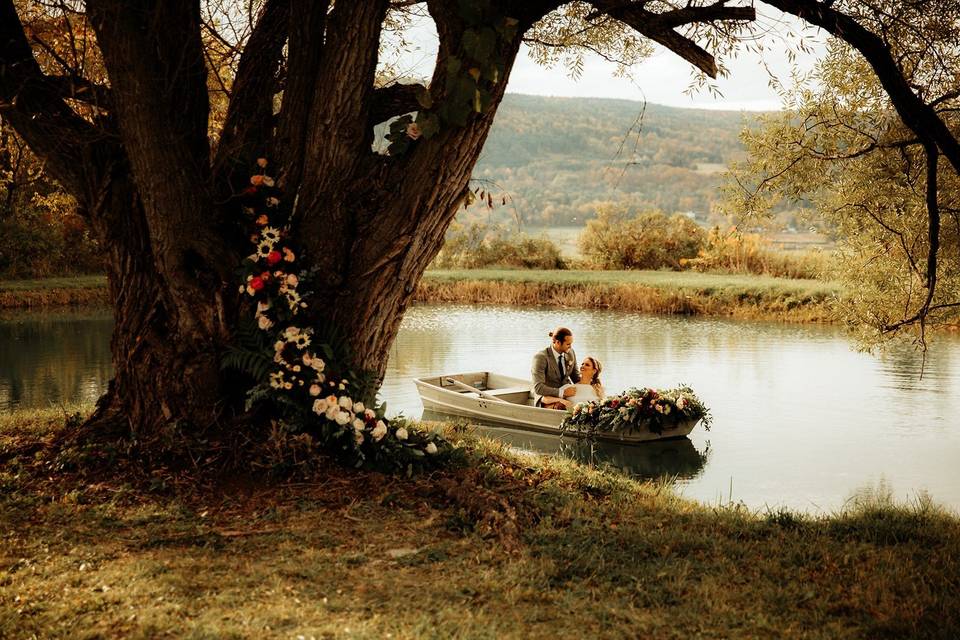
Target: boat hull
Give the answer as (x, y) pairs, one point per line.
(506, 401)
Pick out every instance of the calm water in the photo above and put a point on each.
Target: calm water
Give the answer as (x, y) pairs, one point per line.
(800, 419)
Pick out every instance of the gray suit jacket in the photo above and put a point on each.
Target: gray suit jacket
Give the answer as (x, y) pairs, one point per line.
(545, 372)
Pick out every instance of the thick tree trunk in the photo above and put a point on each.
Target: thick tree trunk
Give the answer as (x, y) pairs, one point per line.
(165, 378)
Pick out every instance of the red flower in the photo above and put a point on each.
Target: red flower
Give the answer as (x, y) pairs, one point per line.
(256, 283)
(614, 403)
(265, 276)
(274, 257)
(249, 191)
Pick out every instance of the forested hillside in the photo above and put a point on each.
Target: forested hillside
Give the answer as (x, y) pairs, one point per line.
(558, 158)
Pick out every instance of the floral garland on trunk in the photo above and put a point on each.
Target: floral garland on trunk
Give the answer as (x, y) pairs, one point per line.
(312, 393)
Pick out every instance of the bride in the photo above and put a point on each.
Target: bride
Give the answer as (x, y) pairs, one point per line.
(589, 388)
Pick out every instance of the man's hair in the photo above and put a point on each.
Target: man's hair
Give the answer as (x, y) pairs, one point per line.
(560, 334)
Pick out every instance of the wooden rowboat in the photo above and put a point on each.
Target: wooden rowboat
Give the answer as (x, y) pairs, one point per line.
(493, 398)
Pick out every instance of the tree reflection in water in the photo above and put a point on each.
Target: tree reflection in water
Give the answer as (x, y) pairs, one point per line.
(676, 457)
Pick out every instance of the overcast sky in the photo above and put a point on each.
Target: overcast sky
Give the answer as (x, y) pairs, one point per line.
(661, 79)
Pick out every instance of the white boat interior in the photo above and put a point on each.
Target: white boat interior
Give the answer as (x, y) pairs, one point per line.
(504, 400)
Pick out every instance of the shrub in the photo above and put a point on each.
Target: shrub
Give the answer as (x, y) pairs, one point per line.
(477, 246)
(734, 252)
(47, 239)
(648, 241)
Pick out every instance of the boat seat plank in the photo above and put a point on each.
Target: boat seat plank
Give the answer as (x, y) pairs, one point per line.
(506, 391)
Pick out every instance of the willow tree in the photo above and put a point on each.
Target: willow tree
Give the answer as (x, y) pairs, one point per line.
(133, 145)
(864, 142)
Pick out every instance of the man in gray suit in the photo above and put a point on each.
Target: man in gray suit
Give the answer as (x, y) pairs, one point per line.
(554, 370)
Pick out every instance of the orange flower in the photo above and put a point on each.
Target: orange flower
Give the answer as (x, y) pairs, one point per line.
(263, 220)
(256, 180)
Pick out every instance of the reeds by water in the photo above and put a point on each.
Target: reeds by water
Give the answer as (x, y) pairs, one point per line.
(787, 305)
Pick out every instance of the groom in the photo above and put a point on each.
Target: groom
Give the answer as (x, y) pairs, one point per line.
(554, 370)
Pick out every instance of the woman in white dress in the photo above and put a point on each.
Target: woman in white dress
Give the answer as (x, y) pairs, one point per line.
(589, 388)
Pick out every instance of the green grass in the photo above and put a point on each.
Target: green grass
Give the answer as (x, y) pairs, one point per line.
(508, 546)
(46, 284)
(682, 280)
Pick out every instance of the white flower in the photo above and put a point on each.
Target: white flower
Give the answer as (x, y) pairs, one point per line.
(369, 414)
(293, 299)
(346, 402)
(264, 322)
(261, 162)
(292, 280)
(358, 424)
(318, 364)
(681, 402)
(431, 448)
(379, 431)
(262, 306)
(319, 406)
(332, 411)
(276, 380)
(267, 180)
(401, 434)
(358, 407)
(290, 332)
(315, 391)
(272, 202)
(270, 234)
(343, 417)
(358, 437)
(264, 249)
(302, 341)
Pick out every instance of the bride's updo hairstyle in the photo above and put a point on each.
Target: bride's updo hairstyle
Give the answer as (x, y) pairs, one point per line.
(560, 334)
(597, 368)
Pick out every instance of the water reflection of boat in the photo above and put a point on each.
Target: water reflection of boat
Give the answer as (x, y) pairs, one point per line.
(675, 457)
(503, 400)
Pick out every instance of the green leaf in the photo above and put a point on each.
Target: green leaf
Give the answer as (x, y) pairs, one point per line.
(508, 28)
(429, 123)
(479, 43)
(399, 146)
(424, 98)
(453, 66)
(472, 10)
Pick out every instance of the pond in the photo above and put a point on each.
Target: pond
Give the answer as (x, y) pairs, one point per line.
(801, 420)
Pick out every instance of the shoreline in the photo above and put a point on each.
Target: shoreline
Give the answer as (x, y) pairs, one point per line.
(652, 292)
(505, 545)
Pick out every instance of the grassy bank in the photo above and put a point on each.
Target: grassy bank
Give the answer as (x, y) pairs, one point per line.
(504, 547)
(659, 292)
(53, 292)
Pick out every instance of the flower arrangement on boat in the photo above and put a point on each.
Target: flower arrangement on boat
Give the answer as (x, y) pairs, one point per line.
(295, 371)
(637, 410)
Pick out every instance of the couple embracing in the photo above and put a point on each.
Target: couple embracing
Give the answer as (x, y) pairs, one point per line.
(557, 381)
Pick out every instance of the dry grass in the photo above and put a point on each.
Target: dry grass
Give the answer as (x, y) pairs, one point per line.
(54, 292)
(503, 547)
(698, 294)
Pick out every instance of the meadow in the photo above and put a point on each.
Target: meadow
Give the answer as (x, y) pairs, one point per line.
(501, 545)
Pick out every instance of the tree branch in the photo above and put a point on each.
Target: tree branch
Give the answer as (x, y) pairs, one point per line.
(919, 116)
(305, 46)
(394, 100)
(247, 128)
(33, 105)
(659, 27)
